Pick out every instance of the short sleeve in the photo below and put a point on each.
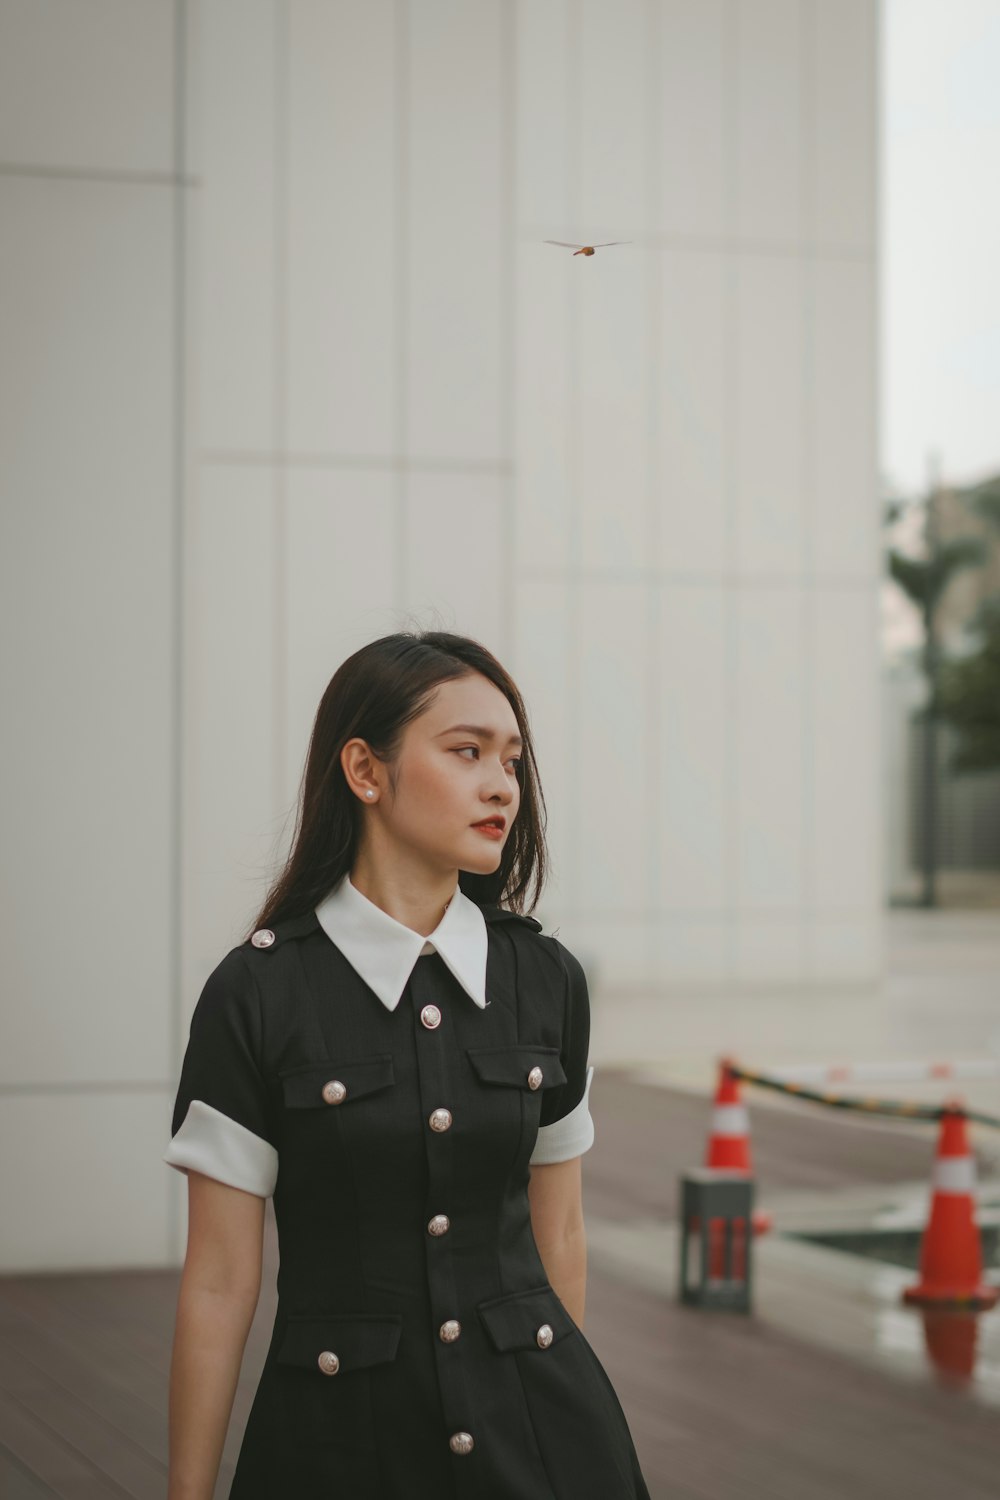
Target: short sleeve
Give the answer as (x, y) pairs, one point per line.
(566, 1128)
(221, 1121)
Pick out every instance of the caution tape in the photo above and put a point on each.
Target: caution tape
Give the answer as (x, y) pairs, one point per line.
(906, 1109)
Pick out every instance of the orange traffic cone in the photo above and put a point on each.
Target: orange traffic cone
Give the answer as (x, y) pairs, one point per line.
(729, 1138)
(728, 1150)
(951, 1261)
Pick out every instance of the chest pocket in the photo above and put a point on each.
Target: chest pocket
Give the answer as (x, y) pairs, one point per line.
(525, 1065)
(333, 1109)
(333, 1084)
(512, 1081)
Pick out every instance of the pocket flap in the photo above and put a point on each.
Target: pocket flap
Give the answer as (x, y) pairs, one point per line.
(513, 1320)
(357, 1339)
(303, 1086)
(512, 1065)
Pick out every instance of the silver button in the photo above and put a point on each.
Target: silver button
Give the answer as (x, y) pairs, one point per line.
(440, 1119)
(450, 1330)
(328, 1362)
(544, 1336)
(430, 1016)
(263, 937)
(440, 1224)
(334, 1092)
(535, 1078)
(460, 1442)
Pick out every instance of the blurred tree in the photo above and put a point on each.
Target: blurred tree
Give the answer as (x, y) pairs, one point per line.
(924, 579)
(968, 693)
(984, 499)
(969, 686)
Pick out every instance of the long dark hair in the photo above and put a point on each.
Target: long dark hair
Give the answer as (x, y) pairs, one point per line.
(373, 695)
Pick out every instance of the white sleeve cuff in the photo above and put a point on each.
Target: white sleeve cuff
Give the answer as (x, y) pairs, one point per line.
(568, 1137)
(211, 1142)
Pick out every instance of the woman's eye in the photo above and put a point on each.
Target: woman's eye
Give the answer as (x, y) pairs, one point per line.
(515, 759)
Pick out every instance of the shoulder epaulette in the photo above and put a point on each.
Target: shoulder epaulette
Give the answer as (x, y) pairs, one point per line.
(291, 927)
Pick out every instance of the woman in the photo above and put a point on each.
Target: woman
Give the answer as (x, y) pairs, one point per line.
(402, 1062)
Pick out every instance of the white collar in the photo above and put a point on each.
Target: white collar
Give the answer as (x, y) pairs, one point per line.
(384, 951)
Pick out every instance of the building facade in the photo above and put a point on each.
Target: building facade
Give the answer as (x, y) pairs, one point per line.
(292, 366)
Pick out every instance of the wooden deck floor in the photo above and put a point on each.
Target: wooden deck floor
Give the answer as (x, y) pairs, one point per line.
(721, 1407)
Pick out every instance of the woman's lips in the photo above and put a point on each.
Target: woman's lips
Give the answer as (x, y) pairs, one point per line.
(489, 828)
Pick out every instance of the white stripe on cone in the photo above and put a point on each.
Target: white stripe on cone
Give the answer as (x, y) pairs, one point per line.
(953, 1174)
(730, 1119)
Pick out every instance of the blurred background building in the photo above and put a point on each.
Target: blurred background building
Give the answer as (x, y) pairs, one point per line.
(287, 365)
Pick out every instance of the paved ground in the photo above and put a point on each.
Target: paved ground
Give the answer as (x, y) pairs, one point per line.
(824, 1392)
(721, 1405)
(728, 1408)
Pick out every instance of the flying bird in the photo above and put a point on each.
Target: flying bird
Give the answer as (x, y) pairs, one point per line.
(586, 249)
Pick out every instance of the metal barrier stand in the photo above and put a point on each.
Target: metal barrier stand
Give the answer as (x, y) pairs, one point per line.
(717, 1207)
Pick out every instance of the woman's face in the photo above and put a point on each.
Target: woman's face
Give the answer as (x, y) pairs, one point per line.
(457, 766)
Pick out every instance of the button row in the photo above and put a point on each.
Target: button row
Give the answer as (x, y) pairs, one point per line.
(335, 1092)
(449, 1331)
(441, 1119)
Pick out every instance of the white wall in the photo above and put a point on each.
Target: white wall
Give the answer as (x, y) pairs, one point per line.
(91, 220)
(646, 479)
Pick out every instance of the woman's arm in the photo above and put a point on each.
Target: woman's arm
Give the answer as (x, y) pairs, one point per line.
(220, 1285)
(555, 1195)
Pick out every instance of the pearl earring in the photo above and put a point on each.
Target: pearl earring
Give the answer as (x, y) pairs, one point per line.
(369, 794)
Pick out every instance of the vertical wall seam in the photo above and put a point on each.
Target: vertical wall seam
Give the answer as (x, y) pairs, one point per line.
(179, 193)
(875, 41)
(732, 593)
(400, 579)
(808, 476)
(574, 85)
(279, 415)
(508, 482)
(654, 592)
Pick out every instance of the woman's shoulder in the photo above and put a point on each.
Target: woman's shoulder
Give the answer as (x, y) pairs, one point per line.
(530, 931)
(275, 935)
(495, 914)
(239, 978)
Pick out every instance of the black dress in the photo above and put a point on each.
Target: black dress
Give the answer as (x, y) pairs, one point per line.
(418, 1349)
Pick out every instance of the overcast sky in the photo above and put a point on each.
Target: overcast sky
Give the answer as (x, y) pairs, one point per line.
(940, 233)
